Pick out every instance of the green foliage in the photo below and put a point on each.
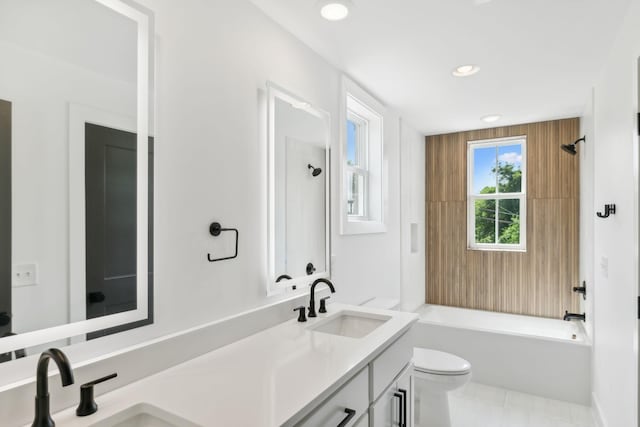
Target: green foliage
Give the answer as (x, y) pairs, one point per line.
(485, 220)
(511, 233)
(509, 181)
(509, 178)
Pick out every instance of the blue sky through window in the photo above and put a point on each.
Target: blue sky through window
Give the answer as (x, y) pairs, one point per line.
(351, 142)
(484, 160)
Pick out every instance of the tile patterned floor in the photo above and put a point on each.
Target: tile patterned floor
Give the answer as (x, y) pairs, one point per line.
(478, 405)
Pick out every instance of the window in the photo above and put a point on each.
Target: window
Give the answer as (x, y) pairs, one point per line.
(496, 202)
(362, 196)
(357, 166)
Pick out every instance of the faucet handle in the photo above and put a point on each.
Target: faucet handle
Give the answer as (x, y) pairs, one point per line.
(323, 305)
(88, 404)
(301, 315)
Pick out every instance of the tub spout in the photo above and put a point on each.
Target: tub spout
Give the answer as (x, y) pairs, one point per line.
(574, 316)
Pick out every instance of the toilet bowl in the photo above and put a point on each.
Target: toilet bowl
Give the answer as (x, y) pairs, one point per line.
(436, 373)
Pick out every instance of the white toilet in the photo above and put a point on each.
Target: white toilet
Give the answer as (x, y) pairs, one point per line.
(436, 373)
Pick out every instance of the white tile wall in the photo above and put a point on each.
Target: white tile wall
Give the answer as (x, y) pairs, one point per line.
(479, 405)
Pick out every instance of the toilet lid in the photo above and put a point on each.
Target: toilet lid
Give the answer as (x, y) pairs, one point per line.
(439, 362)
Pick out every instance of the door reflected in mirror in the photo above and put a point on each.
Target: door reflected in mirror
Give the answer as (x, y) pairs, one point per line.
(299, 191)
(69, 109)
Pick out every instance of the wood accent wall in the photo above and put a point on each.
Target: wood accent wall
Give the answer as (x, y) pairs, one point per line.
(537, 282)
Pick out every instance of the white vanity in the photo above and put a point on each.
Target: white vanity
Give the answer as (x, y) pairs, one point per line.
(290, 374)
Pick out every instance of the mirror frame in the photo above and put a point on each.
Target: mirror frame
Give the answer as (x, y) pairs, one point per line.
(274, 91)
(145, 39)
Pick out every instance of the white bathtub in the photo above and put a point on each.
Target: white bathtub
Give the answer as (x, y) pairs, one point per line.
(546, 357)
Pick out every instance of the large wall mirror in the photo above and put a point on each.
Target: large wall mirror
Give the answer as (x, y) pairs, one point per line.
(76, 171)
(298, 155)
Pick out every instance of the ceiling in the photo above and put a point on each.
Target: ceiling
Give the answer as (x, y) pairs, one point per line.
(538, 59)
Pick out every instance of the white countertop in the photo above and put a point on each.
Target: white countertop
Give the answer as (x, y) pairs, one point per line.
(272, 378)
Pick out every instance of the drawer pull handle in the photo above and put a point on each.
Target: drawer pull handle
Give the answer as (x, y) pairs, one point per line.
(350, 414)
(404, 407)
(400, 408)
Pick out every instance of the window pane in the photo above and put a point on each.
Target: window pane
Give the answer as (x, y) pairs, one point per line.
(484, 170)
(355, 194)
(509, 221)
(510, 168)
(485, 221)
(352, 143)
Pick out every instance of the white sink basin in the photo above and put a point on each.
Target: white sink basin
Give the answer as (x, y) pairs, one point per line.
(144, 415)
(350, 324)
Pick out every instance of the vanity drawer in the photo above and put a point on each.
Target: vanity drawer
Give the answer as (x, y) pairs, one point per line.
(363, 421)
(353, 396)
(388, 365)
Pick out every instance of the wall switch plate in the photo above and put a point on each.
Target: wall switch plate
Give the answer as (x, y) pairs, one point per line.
(25, 275)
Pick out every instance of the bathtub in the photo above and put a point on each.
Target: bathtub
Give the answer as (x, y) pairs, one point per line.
(547, 357)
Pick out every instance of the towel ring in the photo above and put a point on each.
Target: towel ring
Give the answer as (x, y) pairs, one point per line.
(215, 229)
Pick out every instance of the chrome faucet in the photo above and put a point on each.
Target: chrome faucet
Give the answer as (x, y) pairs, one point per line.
(312, 301)
(43, 414)
(570, 316)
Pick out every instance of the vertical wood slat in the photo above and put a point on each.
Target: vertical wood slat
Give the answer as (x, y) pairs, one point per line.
(537, 282)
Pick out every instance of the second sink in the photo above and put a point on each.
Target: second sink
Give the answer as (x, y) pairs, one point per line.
(144, 415)
(351, 324)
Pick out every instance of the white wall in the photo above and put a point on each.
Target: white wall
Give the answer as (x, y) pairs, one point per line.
(214, 58)
(412, 190)
(615, 180)
(586, 152)
(213, 61)
(367, 266)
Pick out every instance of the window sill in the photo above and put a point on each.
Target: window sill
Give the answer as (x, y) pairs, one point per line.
(362, 227)
(497, 249)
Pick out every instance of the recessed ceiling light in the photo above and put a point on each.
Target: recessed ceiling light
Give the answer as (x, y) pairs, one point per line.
(491, 118)
(335, 10)
(465, 70)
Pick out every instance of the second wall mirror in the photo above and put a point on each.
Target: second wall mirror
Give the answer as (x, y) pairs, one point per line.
(299, 177)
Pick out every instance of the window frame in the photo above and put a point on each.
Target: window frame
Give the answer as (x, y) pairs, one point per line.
(472, 197)
(356, 100)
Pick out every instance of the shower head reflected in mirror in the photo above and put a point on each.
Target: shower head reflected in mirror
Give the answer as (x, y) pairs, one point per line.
(571, 148)
(314, 171)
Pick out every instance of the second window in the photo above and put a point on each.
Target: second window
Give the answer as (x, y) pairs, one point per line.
(496, 201)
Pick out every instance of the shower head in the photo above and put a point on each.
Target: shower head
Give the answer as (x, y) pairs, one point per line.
(314, 171)
(571, 148)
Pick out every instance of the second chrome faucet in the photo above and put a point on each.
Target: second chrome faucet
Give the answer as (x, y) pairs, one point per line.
(312, 300)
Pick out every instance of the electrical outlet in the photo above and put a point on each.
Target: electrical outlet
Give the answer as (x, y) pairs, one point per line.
(25, 275)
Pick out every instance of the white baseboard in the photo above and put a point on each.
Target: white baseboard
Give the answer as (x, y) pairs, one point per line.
(597, 412)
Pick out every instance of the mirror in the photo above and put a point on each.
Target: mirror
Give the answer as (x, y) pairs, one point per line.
(76, 170)
(299, 143)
